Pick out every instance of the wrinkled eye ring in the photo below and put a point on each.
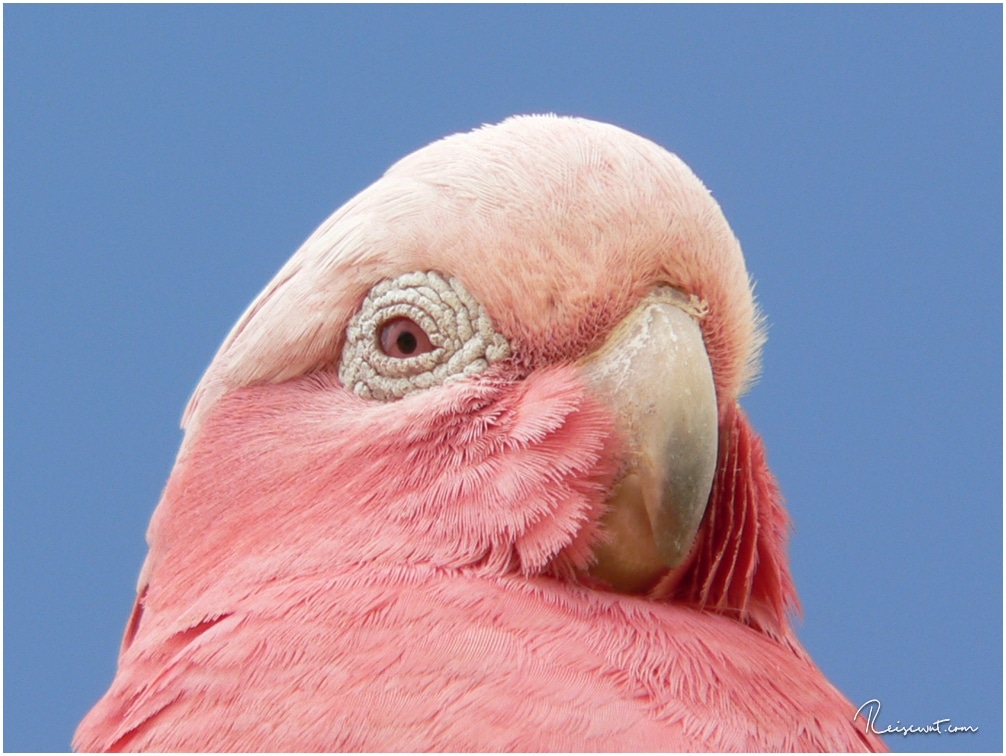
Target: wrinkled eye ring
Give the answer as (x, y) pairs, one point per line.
(460, 338)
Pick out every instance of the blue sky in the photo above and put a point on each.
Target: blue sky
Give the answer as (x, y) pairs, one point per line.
(161, 163)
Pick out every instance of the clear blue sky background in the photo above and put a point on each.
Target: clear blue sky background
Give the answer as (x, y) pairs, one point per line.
(161, 163)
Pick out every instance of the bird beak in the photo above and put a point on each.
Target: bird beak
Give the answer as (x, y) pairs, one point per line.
(654, 373)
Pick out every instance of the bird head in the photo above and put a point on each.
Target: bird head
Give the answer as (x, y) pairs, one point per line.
(518, 354)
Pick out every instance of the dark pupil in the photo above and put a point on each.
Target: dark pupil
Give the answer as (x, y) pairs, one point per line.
(406, 342)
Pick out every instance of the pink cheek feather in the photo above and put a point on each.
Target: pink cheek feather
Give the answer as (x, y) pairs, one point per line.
(483, 475)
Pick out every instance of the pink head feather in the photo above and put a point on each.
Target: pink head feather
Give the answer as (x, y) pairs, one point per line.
(508, 193)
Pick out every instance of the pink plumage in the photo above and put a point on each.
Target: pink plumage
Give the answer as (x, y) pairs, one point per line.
(333, 571)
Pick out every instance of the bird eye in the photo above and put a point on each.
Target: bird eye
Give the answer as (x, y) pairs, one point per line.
(403, 337)
(414, 332)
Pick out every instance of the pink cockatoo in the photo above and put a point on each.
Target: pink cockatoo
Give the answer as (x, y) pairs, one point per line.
(471, 474)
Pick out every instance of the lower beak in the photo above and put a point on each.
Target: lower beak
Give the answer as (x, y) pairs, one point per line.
(654, 373)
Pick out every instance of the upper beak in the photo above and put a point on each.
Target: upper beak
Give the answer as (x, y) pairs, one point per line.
(654, 373)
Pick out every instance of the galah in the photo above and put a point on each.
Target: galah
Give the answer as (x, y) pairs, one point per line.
(471, 474)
